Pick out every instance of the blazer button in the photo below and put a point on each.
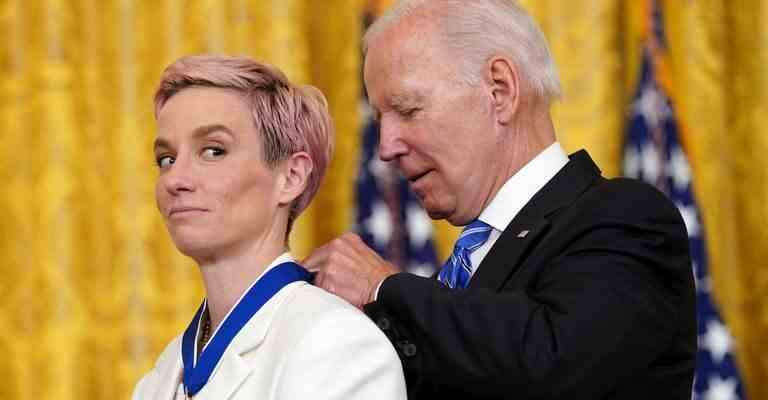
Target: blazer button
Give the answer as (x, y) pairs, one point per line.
(409, 349)
(383, 323)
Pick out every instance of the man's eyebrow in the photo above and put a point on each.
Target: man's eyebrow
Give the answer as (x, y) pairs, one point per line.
(400, 101)
(199, 132)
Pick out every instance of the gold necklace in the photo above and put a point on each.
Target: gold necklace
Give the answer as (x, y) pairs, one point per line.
(206, 334)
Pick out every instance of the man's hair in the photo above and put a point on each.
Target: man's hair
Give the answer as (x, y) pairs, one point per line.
(290, 118)
(475, 30)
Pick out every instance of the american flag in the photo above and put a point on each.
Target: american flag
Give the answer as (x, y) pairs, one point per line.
(389, 217)
(653, 153)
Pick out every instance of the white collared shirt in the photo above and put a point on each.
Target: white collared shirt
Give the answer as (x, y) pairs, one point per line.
(516, 193)
(513, 196)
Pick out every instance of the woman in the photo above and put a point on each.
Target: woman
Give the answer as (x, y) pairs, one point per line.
(241, 152)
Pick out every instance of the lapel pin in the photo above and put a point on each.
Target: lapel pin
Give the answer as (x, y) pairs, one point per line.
(523, 234)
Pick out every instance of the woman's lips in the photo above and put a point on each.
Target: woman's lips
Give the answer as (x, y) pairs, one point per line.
(184, 211)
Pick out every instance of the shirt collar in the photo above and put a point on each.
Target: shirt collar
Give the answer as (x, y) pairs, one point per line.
(522, 186)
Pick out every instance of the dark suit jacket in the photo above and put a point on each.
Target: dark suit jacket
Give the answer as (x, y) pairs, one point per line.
(596, 301)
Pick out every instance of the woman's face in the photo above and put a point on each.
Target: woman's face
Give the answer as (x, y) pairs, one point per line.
(214, 190)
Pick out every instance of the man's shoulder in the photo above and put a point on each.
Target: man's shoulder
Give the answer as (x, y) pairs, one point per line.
(625, 196)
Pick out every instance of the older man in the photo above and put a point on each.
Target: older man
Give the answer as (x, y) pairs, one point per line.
(563, 284)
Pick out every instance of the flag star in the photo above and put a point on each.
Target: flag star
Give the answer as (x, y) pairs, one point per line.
(380, 223)
(426, 270)
(631, 162)
(690, 218)
(652, 106)
(717, 340)
(649, 160)
(378, 168)
(702, 282)
(419, 226)
(679, 170)
(721, 389)
(704, 285)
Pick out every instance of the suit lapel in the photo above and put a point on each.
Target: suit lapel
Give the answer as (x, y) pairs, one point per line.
(531, 223)
(229, 375)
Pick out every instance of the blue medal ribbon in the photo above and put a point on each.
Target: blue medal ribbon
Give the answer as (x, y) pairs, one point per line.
(197, 372)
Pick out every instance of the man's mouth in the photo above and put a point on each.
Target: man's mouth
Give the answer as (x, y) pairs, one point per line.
(414, 178)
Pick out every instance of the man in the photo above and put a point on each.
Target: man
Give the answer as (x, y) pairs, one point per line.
(565, 284)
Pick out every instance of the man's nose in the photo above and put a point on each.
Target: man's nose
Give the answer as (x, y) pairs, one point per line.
(391, 143)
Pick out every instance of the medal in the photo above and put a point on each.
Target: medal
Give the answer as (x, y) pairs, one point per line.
(198, 371)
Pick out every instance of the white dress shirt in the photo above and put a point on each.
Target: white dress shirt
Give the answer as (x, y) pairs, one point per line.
(513, 196)
(516, 193)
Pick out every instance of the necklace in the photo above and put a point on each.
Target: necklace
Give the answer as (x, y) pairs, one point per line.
(206, 334)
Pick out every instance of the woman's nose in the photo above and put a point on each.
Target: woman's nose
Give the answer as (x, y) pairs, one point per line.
(178, 178)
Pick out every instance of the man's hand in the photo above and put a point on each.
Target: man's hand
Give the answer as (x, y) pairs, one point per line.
(348, 268)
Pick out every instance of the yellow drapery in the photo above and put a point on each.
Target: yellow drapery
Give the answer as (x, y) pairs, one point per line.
(92, 288)
(719, 80)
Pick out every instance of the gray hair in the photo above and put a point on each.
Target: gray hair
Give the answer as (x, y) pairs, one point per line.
(479, 29)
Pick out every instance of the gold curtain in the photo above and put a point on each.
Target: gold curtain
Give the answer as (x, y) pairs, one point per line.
(719, 66)
(92, 287)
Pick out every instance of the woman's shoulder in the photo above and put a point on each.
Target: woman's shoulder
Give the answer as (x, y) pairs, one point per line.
(171, 353)
(322, 338)
(311, 304)
(167, 362)
(307, 308)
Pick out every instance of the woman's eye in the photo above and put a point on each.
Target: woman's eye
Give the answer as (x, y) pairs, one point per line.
(165, 161)
(210, 153)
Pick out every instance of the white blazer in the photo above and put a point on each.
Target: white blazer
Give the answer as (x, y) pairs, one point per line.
(304, 343)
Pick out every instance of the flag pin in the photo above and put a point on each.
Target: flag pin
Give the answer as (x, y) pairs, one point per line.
(523, 234)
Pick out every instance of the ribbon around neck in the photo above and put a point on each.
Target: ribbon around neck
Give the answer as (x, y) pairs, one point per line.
(198, 371)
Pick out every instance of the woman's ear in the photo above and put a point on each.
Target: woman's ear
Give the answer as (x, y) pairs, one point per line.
(504, 81)
(295, 170)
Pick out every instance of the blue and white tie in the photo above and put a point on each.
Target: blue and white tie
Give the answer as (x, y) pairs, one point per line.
(458, 269)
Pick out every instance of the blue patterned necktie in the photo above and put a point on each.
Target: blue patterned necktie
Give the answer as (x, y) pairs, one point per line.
(458, 269)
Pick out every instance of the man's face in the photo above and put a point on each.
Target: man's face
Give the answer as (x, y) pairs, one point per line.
(437, 130)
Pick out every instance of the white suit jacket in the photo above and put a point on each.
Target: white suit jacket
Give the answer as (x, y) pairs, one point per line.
(304, 343)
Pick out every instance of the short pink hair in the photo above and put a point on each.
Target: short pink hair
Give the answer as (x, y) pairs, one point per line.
(291, 118)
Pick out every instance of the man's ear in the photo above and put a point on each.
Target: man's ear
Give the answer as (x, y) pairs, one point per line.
(504, 81)
(295, 170)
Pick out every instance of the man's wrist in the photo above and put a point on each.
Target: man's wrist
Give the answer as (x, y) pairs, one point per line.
(375, 292)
